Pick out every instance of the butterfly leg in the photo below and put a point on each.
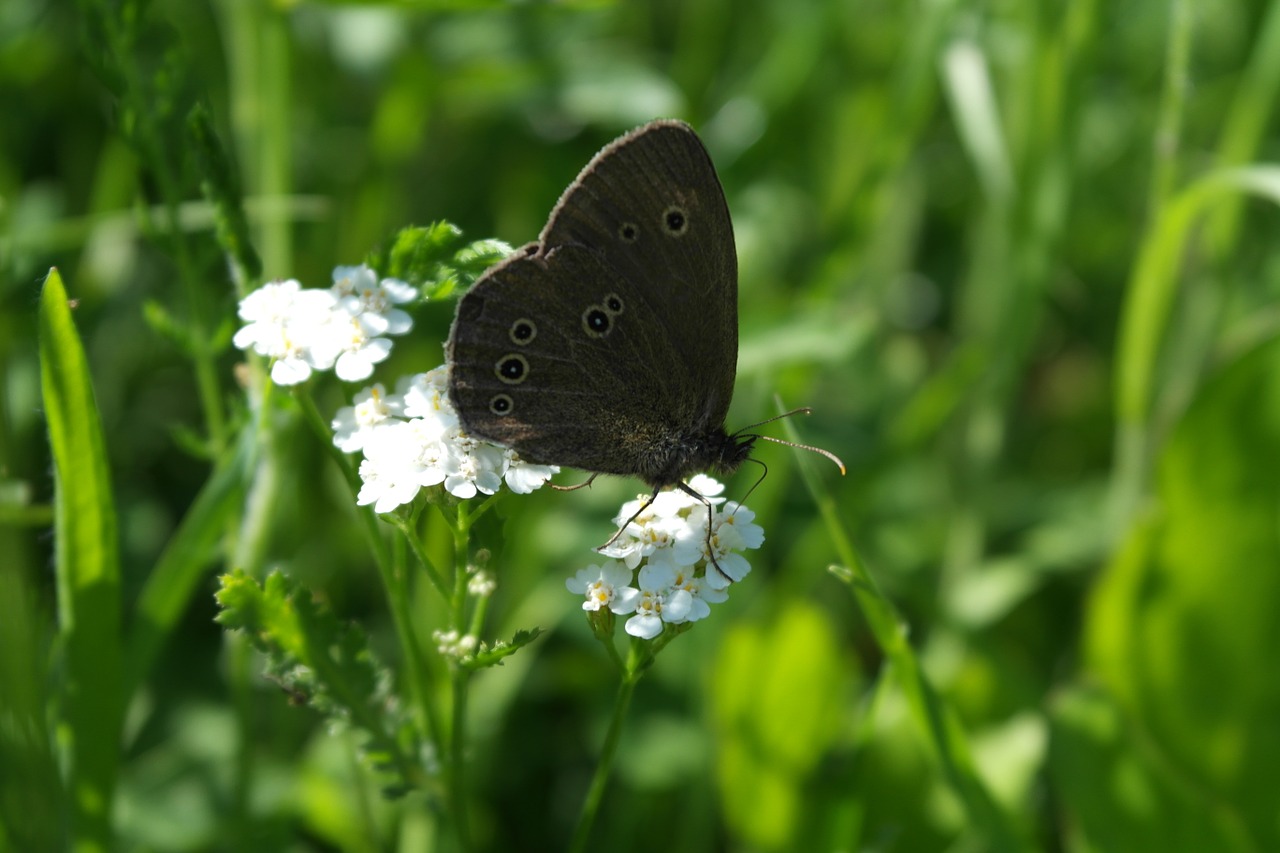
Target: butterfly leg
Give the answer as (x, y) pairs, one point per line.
(576, 486)
(627, 523)
(711, 518)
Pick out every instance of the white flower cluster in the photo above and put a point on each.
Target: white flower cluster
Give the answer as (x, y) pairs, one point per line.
(412, 439)
(678, 581)
(343, 328)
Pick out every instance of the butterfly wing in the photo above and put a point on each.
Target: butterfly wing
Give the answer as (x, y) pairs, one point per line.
(615, 336)
(689, 274)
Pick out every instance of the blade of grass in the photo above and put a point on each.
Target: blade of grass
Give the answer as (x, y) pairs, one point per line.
(1149, 298)
(1252, 110)
(87, 564)
(1173, 97)
(169, 587)
(935, 719)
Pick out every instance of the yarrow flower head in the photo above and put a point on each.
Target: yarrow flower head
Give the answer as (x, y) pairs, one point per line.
(605, 587)
(363, 295)
(412, 440)
(342, 328)
(666, 569)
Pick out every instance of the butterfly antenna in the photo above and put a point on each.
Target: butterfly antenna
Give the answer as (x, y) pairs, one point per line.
(805, 410)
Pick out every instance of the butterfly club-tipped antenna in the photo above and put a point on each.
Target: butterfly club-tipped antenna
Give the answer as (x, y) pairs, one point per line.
(764, 472)
(803, 410)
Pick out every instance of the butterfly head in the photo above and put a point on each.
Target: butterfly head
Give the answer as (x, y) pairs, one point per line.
(731, 452)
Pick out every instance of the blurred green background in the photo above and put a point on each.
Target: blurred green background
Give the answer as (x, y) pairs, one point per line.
(1022, 258)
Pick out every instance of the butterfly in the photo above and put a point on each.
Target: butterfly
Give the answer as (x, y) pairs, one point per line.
(611, 343)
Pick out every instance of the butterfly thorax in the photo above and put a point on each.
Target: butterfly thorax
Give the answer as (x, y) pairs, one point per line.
(670, 462)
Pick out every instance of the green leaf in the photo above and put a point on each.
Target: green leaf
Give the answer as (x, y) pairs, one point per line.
(88, 572)
(472, 260)
(415, 252)
(492, 655)
(161, 321)
(328, 665)
(433, 258)
(1183, 625)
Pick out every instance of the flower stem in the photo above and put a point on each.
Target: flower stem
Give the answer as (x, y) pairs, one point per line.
(395, 580)
(460, 681)
(409, 528)
(591, 804)
(457, 758)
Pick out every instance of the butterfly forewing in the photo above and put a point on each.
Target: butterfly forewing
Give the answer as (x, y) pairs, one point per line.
(616, 333)
(623, 205)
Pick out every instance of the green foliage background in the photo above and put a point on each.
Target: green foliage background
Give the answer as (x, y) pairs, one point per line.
(1021, 258)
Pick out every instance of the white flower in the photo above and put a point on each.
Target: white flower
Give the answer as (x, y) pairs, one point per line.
(705, 485)
(658, 602)
(426, 395)
(426, 450)
(293, 361)
(284, 322)
(358, 350)
(605, 586)
(471, 466)
(682, 571)
(339, 328)
(654, 531)
(429, 448)
(732, 529)
(374, 301)
(347, 281)
(354, 426)
(271, 310)
(481, 585)
(701, 594)
(390, 473)
(523, 477)
(451, 644)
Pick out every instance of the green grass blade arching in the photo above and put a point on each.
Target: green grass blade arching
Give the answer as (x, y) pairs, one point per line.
(1148, 306)
(938, 723)
(88, 573)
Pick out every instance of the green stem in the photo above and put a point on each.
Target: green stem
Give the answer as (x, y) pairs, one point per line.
(938, 722)
(147, 134)
(457, 758)
(604, 767)
(460, 678)
(395, 582)
(368, 518)
(241, 673)
(429, 566)
(393, 572)
(602, 625)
